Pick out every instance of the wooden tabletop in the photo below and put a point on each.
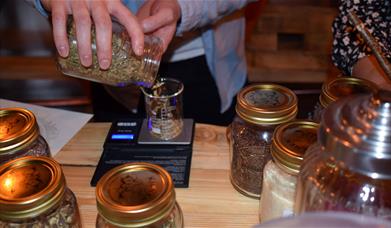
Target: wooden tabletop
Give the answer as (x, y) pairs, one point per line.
(210, 200)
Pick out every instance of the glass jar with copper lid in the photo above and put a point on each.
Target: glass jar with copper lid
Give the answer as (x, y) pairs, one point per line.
(289, 144)
(260, 109)
(137, 195)
(19, 135)
(348, 169)
(33, 193)
(338, 88)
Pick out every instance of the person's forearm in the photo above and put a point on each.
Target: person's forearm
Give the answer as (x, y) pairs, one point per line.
(368, 68)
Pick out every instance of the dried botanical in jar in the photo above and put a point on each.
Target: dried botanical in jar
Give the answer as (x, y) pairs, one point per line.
(289, 144)
(260, 109)
(126, 67)
(19, 135)
(34, 194)
(137, 195)
(339, 88)
(163, 104)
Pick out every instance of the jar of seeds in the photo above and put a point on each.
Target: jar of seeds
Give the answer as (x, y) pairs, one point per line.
(338, 88)
(33, 193)
(289, 144)
(260, 109)
(19, 135)
(126, 67)
(137, 195)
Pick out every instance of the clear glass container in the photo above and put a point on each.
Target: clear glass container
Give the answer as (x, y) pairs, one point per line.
(163, 104)
(34, 194)
(137, 195)
(19, 135)
(260, 109)
(338, 88)
(289, 144)
(349, 167)
(126, 67)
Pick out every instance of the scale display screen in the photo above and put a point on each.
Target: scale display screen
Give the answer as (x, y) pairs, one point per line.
(122, 136)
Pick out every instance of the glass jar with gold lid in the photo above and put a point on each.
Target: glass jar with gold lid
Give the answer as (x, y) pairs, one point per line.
(289, 144)
(137, 195)
(338, 88)
(260, 109)
(19, 135)
(33, 193)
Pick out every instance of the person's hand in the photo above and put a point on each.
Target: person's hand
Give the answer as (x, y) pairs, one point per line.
(160, 18)
(368, 68)
(100, 12)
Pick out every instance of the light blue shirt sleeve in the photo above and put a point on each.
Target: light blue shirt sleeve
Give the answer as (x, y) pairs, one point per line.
(199, 13)
(223, 42)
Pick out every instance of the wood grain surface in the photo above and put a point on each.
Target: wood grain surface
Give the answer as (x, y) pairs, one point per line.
(210, 200)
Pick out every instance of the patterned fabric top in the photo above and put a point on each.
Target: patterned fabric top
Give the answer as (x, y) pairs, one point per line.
(348, 46)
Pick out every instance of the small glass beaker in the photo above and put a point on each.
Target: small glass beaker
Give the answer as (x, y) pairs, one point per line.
(163, 104)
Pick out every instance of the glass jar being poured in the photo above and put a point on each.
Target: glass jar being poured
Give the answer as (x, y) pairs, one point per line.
(126, 67)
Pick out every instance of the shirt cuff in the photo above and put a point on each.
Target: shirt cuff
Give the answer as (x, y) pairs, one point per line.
(188, 15)
(41, 9)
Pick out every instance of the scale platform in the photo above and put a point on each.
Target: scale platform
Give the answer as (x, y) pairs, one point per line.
(129, 141)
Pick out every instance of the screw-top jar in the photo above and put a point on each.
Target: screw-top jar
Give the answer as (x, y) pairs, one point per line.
(349, 168)
(289, 143)
(33, 193)
(19, 135)
(126, 67)
(340, 87)
(137, 195)
(260, 109)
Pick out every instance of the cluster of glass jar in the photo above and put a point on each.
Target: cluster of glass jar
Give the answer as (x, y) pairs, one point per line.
(294, 166)
(33, 190)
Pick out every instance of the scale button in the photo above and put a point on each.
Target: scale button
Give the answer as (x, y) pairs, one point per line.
(127, 124)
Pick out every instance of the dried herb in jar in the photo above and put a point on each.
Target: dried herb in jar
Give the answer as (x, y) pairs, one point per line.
(126, 67)
(252, 152)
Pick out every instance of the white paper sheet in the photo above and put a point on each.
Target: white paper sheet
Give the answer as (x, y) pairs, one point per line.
(57, 126)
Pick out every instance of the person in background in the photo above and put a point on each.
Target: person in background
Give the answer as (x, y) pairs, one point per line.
(350, 53)
(207, 53)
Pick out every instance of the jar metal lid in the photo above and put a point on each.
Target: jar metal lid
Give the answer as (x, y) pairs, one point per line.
(290, 142)
(18, 128)
(342, 87)
(356, 131)
(135, 195)
(265, 104)
(30, 186)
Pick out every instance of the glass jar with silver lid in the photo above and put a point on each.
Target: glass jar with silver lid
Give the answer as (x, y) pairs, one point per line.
(349, 168)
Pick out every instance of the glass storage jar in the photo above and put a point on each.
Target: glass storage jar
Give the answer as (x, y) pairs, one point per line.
(33, 193)
(19, 135)
(260, 109)
(126, 67)
(289, 143)
(137, 195)
(349, 167)
(338, 88)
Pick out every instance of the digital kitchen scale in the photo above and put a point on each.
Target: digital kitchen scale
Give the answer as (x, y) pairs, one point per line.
(130, 141)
